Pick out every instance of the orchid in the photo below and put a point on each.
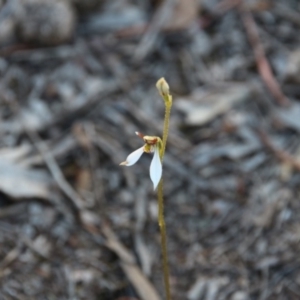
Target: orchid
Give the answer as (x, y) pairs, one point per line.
(157, 146)
(153, 144)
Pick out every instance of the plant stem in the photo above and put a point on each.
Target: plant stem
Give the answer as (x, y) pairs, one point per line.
(166, 128)
(161, 219)
(163, 235)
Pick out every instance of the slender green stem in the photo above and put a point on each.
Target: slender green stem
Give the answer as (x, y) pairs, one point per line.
(163, 235)
(166, 128)
(161, 220)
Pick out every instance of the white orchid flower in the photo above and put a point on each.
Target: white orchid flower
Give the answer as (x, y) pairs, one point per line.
(152, 145)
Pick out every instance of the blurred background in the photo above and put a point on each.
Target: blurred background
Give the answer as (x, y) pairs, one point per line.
(77, 79)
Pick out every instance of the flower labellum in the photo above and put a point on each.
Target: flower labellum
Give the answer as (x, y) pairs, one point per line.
(152, 145)
(155, 168)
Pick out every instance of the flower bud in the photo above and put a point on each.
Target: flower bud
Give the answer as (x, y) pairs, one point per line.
(163, 87)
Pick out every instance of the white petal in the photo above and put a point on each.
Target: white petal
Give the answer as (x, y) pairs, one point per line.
(155, 168)
(133, 157)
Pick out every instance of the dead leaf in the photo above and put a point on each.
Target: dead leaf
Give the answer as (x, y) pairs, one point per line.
(184, 13)
(15, 154)
(18, 182)
(290, 116)
(292, 71)
(208, 287)
(202, 107)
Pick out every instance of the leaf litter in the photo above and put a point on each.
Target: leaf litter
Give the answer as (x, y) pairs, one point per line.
(70, 217)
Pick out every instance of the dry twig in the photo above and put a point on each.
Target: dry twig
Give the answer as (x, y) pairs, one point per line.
(55, 171)
(161, 17)
(144, 288)
(260, 57)
(279, 153)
